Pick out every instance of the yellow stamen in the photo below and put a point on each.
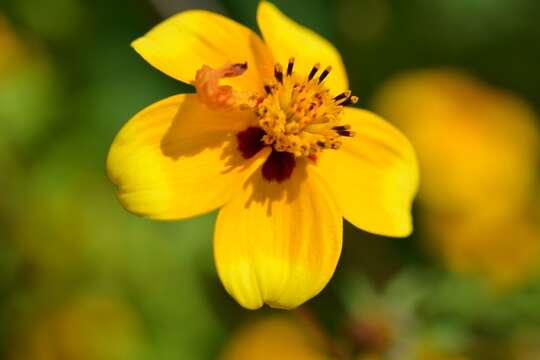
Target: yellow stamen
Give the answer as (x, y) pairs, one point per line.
(299, 115)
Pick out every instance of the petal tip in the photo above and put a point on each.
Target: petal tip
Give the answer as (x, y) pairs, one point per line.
(137, 44)
(263, 4)
(283, 34)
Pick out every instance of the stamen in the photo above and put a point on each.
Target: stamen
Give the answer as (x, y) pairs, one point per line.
(268, 89)
(290, 66)
(278, 72)
(313, 71)
(345, 133)
(299, 118)
(351, 100)
(324, 74)
(342, 96)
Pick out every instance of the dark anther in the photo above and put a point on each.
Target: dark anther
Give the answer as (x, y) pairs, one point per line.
(350, 101)
(321, 144)
(290, 66)
(278, 73)
(267, 89)
(279, 166)
(324, 74)
(250, 141)
(344, 132)
(341, 127)
(343, 95)
(313, 71)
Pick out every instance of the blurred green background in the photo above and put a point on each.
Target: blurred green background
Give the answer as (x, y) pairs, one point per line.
(80, 278)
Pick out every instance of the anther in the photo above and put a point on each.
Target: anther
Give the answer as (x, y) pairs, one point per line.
(278, 72)
(351, 100)
(301, 118)
(268, 89)
(324, 74)
(345, 133)
(290, 66)
(343, 95)
(313, 71)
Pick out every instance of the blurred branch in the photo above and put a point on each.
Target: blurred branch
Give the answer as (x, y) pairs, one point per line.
(167, 8)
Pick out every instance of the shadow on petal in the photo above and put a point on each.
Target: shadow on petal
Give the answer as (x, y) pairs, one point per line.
(263, 191)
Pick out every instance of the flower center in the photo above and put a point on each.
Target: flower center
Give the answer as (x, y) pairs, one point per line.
(299, 115)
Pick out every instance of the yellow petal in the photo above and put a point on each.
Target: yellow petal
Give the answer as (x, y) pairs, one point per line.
(374, 175)
(177, 159)
(287, 38)
(182, 44)
(488, 163)
(278, 243)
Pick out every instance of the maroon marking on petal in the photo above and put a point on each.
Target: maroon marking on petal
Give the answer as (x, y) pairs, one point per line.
(250, 141)
(279, 166)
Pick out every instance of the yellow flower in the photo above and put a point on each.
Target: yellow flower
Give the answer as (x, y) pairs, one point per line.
(87, 328)
(267, 138)
(276, 337)
(10, 46)
(504, 254)
(478, 147)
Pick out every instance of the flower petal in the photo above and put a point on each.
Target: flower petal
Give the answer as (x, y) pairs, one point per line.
(374, 175)
(278, 243)
(287, 38)
(177, 159)
(182, 44)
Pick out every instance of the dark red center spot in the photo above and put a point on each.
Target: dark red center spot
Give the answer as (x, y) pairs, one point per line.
(250, 141)
(279, 166)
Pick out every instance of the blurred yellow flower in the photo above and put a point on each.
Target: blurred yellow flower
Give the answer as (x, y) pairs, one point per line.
(92, 327)
(10, 47)
(504, 253)
(478, 147)
(28, 91)
(273, 145)
(281, 337)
